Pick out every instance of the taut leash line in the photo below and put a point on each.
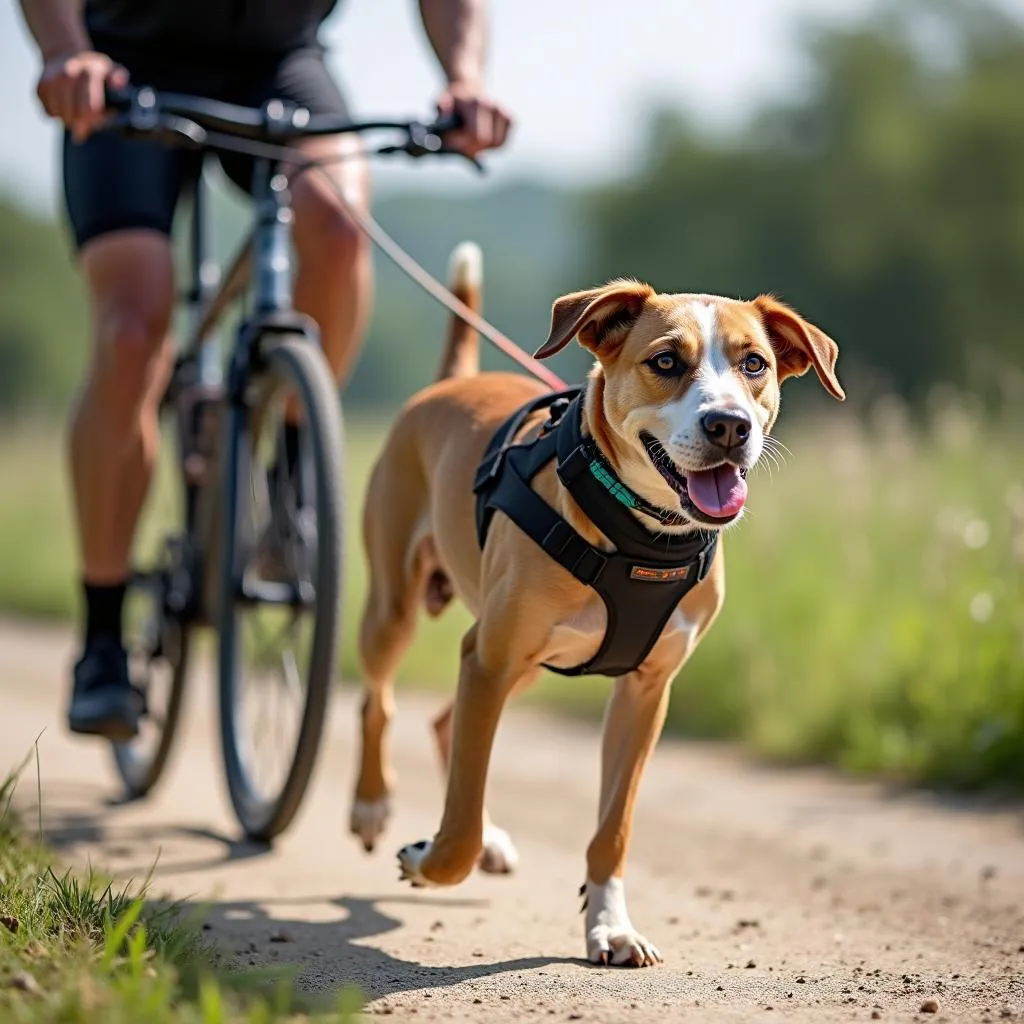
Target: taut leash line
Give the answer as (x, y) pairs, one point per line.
(366, 223)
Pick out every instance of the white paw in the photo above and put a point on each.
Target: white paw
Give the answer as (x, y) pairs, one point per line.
(499, 856)
(368, 820)
(410, 857)
(611, 937)
(620, 949)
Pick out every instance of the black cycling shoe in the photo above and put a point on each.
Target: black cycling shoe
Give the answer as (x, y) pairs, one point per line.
(103, 701)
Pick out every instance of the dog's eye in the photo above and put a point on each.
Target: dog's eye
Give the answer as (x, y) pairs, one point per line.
(667, 364)
(754, 365)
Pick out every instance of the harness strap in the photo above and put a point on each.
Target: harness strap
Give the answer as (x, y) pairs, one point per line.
(545, 527)
(640, 583)
(533, 458)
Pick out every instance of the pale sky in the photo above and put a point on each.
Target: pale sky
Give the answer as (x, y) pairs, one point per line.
(577, 74)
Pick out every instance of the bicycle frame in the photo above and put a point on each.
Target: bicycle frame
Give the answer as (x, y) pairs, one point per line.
(266, 251)
(199, 384)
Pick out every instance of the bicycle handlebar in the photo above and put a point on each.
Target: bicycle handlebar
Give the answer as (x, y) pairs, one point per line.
(187, 119)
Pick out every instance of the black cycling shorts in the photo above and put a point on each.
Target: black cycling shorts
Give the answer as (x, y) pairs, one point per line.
(112, 182)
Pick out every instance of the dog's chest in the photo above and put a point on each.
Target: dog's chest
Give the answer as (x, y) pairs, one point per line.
(577, 639)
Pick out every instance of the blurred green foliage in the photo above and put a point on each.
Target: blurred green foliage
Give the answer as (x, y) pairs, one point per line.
(875, 598)
(42, 314)
(887, 204)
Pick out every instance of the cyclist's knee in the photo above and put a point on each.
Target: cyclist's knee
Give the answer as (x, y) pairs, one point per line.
(131, 282)
(129, 343)
(325, 234)
(331, 240)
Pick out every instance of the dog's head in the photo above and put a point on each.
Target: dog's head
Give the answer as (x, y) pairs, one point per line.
(686, 388)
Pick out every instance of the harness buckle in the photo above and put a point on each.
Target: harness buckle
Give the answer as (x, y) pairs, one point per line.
(575, 463)
(704, 560)
(556, 411)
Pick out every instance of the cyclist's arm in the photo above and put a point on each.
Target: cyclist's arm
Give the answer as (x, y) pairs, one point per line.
(57, 27)
(457, 30)
(71, 84)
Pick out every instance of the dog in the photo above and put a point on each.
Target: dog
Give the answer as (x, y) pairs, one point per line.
(682, 396)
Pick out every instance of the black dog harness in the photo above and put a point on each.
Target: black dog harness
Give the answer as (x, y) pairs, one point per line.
(643, 580)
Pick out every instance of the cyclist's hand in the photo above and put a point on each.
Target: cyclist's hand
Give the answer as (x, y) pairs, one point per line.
(71, 88)
(485, 124)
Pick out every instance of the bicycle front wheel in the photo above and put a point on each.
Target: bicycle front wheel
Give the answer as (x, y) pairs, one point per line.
(280, 587)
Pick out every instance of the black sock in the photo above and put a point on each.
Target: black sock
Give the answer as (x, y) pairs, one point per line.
(103, 605)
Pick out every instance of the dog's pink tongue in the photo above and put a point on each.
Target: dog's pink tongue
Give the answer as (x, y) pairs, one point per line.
(719, 492)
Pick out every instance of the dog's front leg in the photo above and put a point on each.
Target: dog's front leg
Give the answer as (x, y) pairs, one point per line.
(484, 686)
(499, 856)
(633, 720)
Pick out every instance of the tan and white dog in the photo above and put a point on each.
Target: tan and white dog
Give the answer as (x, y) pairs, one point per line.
(683, 394)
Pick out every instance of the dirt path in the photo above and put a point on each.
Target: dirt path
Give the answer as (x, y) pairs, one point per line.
(788, 892)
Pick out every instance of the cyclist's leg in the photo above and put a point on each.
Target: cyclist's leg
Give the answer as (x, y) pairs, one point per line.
(120, 199)
(114, 433)
(334, 282)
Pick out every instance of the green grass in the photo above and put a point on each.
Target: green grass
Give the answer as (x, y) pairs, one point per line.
(875, 610)
(74, 949)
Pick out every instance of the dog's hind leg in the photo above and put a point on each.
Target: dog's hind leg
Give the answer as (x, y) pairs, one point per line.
(499, 856)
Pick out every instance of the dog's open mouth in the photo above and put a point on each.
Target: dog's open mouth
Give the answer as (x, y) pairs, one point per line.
(715, 496)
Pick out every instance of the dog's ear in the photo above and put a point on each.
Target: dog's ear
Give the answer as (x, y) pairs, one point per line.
(599, 317)
(799, 345)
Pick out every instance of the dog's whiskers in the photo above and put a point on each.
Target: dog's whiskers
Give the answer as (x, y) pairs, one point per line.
(768, 462)
(774, 447)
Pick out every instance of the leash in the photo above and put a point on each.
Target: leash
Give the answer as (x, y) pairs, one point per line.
(366, 223)
(437, 291)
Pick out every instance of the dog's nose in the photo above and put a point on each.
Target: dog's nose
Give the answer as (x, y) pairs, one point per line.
(726, 428)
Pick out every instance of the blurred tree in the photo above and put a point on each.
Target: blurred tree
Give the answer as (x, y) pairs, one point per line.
(42, 313)
(887, 205)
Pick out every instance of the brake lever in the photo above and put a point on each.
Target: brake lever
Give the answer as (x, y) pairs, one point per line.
(481, 168)
(193, 134)
(144, 120)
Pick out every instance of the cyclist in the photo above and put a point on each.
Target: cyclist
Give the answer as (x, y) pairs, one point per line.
(120, 196)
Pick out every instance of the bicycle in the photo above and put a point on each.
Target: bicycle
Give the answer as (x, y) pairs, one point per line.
(246, 499)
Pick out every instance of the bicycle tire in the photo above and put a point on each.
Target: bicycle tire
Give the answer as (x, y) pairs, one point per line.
(298, 362)
(138, 773)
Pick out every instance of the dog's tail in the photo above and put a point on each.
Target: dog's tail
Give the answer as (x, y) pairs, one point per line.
(462, 353)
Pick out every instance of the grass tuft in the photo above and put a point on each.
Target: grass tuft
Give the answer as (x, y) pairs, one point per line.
(75, 949)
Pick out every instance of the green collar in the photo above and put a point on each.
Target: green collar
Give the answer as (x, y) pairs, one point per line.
(605, 475)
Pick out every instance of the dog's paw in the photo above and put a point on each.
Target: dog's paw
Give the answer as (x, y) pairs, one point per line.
(410, 857)
(611, 937)
(499, 855)
(368, 820)
(620, 949)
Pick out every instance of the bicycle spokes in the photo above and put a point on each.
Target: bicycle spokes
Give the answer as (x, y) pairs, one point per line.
(280, 530)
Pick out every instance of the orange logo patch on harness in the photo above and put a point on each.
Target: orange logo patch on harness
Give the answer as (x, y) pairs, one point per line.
(644, 572)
